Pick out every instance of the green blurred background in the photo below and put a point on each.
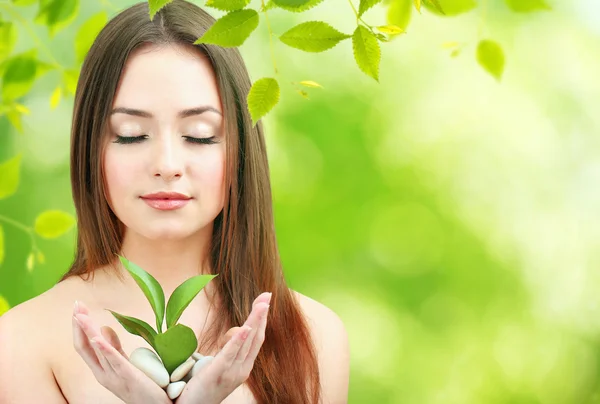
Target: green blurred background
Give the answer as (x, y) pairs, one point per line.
(447, 217)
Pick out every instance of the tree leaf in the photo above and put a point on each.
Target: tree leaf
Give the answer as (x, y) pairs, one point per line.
(227, 5)
(491, 57)
(19, 76)
(399, 13)
(449, 8)
(151, 288)
(527, 6)
(312, 84)
(4, 306)
(366, 51)
(23, 2)
(2, 248)
(313, 36)
(57, 14)
(175, 346)
(293, 6)
(232, 29)
(10, 176)
(183, 295)
(70, 78)
(53, 223)
(8, 38)
(365, 5)
(390, 29)
(87, 34)
(263, 96)
(55, 97)
(418, 5)
(155, 6)
(30, 262)
(137, 327)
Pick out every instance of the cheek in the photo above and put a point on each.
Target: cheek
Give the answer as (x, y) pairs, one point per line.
(117, 174)
(210, 171)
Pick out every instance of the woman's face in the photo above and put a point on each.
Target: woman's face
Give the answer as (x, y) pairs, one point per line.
(168, 99)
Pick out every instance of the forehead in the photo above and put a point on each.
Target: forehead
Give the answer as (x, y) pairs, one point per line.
(166, 79)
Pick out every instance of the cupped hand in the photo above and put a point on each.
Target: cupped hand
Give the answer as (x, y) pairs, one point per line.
(101, 350)
(232, 365)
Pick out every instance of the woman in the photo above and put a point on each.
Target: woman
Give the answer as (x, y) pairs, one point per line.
(156, 117)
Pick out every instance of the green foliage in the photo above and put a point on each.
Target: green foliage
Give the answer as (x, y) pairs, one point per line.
(8, 38)
(366, 51)
(57, 14)
(183, 295)
(137, 327)
(227, 5)
(449, 8)
(526, 6)
(175, 346)
(295, 7)
(53, 223)
(232, 29)
(154, 6)
(19, 75)
(491, 57)
(9, 176)
(399, 13)
(263, 96)
(365, 5)
(1, 245)
(313, 36)
(87, 34)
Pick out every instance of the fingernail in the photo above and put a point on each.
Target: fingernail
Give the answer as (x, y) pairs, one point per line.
(270, 294)
(76, 307)
(77, 321)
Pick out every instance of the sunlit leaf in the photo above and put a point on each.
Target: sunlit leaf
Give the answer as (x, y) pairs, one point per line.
(4, 306)
(449, 7)
(55, 97)
(10, 176)
(435, 4)
(70, 78)
(365, 5)
(136, 327)
(14, 118)
(491, 57)
(57, 14)
(22, 109)
(8, 38)
(30, 261)
(19, 75)
(263, 96)
(232, 29)
(53, 223)
(155, 6)
(313, 36)
(183, 295)
(312, 84)
(418, 5)
(390, 29)
(175, 346)
(87, 34)
(366, 51)
(527, 6)
(151, 288)
(24, 2)
(399, 13)
(227, 5)
(293, 6)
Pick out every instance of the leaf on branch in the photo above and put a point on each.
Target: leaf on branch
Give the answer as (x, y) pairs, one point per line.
(8, 38)
(418, 5)
(53, 223)
(231, 30)
(313, 36)
(183, 295)
(263, 96)
(154, 6)
(390, 29)
(296, 6)
(175, 346)
(87, 34)
(435, 5)
(30, 262)
(528, 6)
(399, 13)
(365, 5)
(491, 57)
(4, 306)
(10, 176)
(366, 51)
(19, 75)
(55, 97)
(227, 5)
(136, 327)
(312, 84)
(57, 14)
(23, 2)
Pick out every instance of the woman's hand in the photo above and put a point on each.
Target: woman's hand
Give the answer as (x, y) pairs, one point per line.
(101, 350)
(232, 365)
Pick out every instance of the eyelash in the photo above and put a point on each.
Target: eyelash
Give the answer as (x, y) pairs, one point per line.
(138, 139)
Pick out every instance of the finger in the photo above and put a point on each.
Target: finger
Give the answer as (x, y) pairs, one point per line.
(227, 355)
(258, 338)
(106, 366)
(228, 335)
(83, 347)
(114, 358)
(264, 297)
(80, 307)
(113, 339)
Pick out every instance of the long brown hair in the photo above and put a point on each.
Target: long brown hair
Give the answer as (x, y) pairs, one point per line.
(243, 249)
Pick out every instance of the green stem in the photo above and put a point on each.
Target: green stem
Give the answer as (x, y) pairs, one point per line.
(358, 18)
(270, 36)
(21, 226)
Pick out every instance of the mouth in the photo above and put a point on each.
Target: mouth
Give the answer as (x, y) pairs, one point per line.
(166, 204)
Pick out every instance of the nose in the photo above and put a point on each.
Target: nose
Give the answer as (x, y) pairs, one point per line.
(168, 161)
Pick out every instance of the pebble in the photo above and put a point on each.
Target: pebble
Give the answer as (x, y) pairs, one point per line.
(149, 363)
(175, 389)
(197, 356)
(182, 370)
(200, 364)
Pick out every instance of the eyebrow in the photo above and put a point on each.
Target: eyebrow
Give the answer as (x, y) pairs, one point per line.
(182, 114)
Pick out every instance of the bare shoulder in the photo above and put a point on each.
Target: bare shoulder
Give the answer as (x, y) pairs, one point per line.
(25, 333)
(331, 341)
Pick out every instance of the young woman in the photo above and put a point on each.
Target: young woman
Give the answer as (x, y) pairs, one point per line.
(168, 171)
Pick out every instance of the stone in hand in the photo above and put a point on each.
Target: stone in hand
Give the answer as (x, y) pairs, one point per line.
(175, 389)
(149, 363)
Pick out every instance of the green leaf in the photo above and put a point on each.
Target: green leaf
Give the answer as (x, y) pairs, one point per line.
(151, 289)
(491, 57)
(8, 38)
(30, 261)
(366, 51)
(70, 78)
(156, 5)
(55, 97)
(175, 346)
(527, 6)
(311, 84)
(137, 327)
(365, 5)
(9, 176)
(39, 256)
(87, 34)
(294, 6)
(313, 36)
(4, 306)
(227, 5)
(23, 2)
(2, 249)
(263, 96)
(19, 76)
(449, 8)
(231, 30)
(53, 223)
(57, 14)
(399, 13)
(183, 296)
(418, 5)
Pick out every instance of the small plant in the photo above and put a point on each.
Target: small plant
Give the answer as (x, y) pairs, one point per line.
(178, 342)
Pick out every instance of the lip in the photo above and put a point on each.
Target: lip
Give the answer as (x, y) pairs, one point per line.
(166, 195)
(166, 204)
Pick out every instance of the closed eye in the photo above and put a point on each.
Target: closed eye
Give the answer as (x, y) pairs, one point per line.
(141, 138)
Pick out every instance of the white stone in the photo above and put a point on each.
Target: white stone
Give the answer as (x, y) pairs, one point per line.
(182, 370)
(175, 389)
(148, 362)
(200, 364)
(197, 356)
